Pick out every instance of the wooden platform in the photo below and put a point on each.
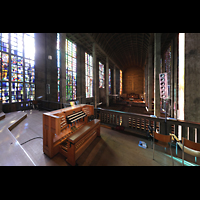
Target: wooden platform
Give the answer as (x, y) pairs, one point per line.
(12, 153)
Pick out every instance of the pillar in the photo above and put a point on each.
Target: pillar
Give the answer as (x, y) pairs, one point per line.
(146, 85)
(94, 74)
(157, 55)
(172, 80)
(150, 78)
(191, 80)
(107, 84)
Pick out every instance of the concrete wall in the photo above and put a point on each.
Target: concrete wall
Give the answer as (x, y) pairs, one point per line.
(45, 69)
(40, 65)
(192, 77)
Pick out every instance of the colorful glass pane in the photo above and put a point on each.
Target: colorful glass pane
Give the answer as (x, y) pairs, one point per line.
(58, 64)
(0, 90)
(5, 58)
(5, 92)
(22, 45)
(88, 75)
(4, 42)
(101, 75)
(109, 81)
(120, 81)
(71, 70)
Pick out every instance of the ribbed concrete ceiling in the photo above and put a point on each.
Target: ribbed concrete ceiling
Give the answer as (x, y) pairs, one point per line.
(124, 49)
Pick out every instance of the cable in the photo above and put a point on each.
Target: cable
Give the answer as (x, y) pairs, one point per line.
(31, 139)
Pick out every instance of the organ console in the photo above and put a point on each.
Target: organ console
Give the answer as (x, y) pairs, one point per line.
(68, 131)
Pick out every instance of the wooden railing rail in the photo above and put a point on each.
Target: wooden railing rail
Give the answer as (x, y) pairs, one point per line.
(138, 123)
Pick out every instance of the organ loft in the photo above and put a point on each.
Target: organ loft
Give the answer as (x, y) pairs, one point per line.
(99, 99)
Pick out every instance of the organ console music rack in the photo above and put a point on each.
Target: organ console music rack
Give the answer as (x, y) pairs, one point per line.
(67, 131)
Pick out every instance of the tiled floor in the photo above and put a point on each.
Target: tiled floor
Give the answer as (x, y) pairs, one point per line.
(113, 148)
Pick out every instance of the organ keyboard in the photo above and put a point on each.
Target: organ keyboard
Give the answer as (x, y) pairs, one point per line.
(68, 131)
(75, 117)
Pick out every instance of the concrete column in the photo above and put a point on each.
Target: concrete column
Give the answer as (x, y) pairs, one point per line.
(172, 80)
(114, 83)
(157, 55)
(191, 77)
(40, 65)
(51, 66)
(146, 85)
(94, 74)
(107, 83)
(163, 63)
(150, 77)
(62, 68)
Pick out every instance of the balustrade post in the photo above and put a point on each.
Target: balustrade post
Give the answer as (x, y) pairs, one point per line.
(191, 134)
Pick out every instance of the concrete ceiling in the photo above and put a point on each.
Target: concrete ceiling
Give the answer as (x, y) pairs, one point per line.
(124, 50)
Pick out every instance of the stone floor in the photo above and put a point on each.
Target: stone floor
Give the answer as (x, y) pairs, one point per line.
(113, 148)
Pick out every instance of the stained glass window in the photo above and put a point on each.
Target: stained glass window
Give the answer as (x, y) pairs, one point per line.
(101, 75)
(120, 82)
(58, 64)
(109, 81)
(4, 37)
(71, 73)
(21, 65)
(88, 75)
(5, 92)
(17, 44)
(29, 67)
(29, 92)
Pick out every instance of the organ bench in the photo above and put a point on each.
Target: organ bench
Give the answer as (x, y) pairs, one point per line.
(67, 131)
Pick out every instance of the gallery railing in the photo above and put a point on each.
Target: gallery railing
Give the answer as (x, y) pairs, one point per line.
(138, 124)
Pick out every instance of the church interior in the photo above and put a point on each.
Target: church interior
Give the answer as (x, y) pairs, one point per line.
(99, 99)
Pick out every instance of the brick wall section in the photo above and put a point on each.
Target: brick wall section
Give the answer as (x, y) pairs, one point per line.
(133, 80)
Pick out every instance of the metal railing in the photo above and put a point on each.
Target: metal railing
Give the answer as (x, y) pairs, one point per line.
(138, 124)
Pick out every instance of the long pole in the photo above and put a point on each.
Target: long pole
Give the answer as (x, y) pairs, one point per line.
(165, 101)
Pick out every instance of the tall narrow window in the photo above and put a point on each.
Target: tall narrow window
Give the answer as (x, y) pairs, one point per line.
(109, 81)
(88, 75)
(29, 55)
(17, 94)
(4, 44)
(101, 75)
(71, 70)
(4, 68)
(181, 74)
(4, 76)
(181, 81)
(58, 64)
(120, 90)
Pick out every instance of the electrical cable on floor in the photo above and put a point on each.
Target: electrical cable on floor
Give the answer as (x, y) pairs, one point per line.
(31, 139)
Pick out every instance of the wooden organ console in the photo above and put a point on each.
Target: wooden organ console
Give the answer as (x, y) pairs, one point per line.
(67, 131)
